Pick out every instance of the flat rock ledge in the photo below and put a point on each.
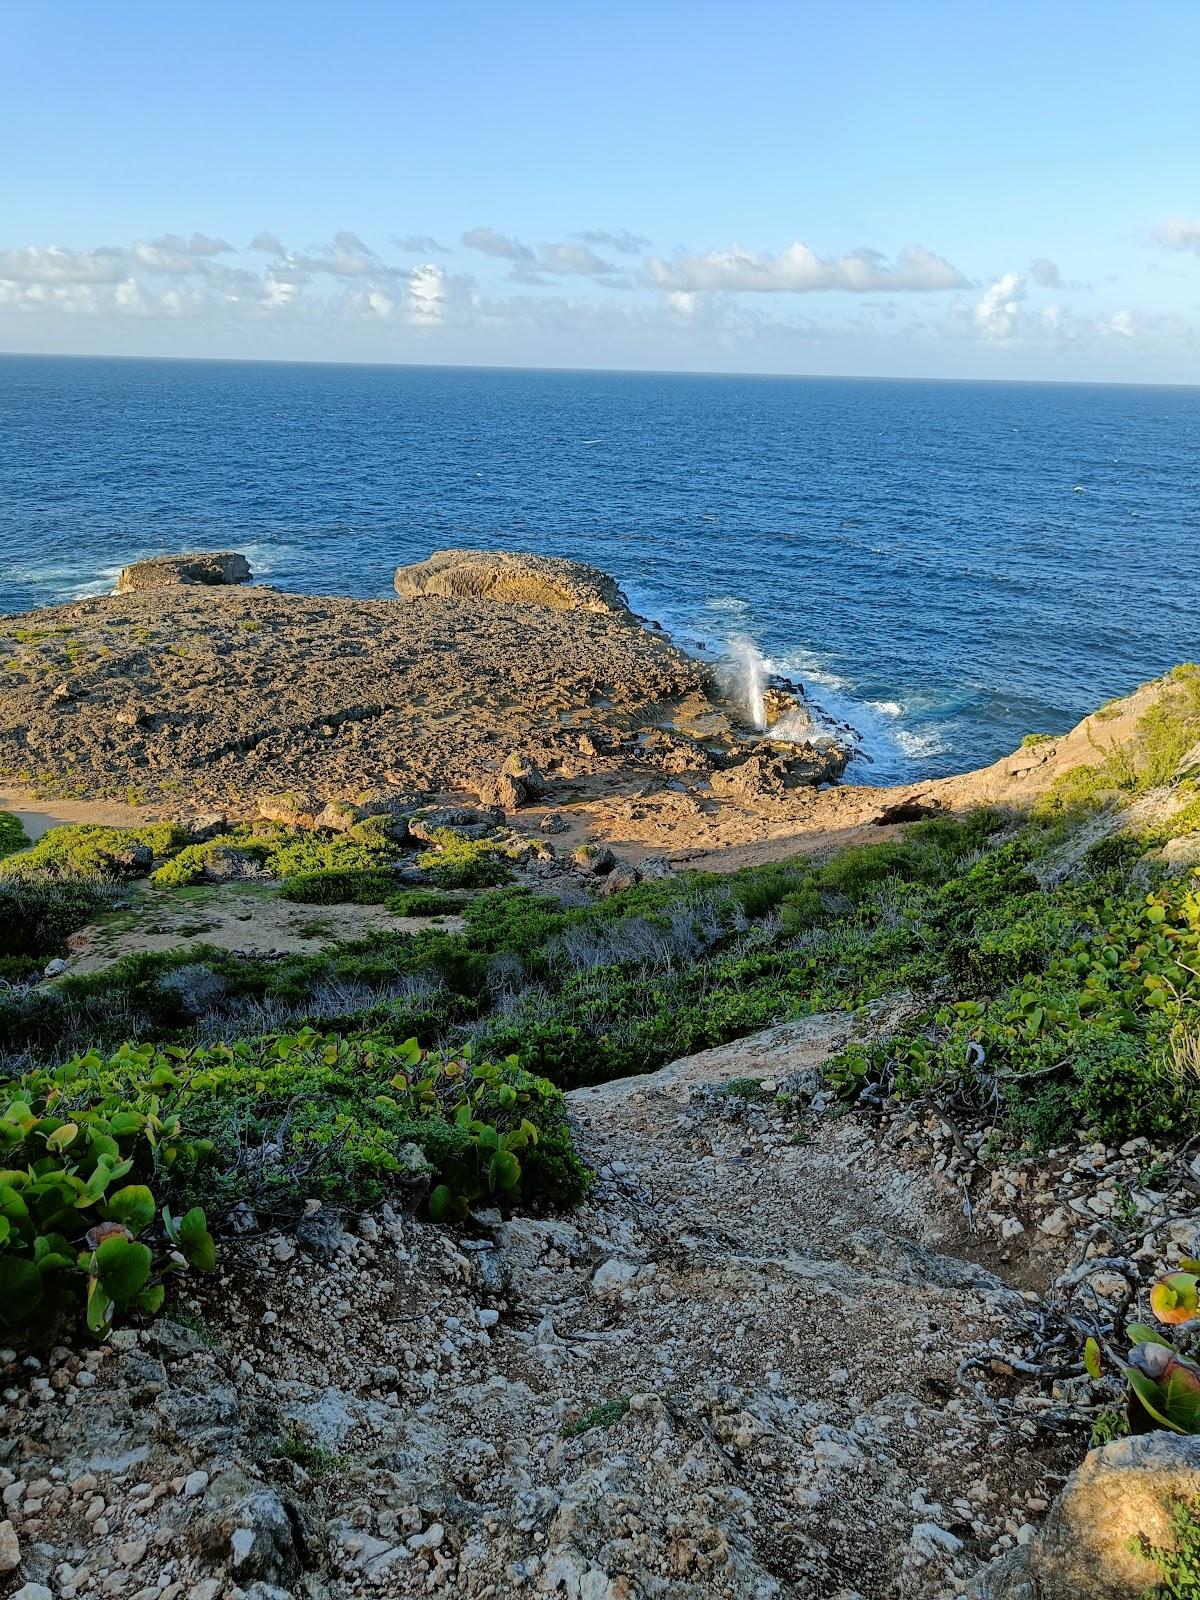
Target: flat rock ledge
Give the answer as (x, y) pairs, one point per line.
(201, 568)
(504, 577)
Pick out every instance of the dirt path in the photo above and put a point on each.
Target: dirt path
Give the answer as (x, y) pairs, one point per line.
(730, 1374)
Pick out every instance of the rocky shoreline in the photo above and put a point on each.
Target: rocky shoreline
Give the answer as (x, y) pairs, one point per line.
(816, 1330)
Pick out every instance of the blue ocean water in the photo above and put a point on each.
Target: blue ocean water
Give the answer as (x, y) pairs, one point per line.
(947, 565)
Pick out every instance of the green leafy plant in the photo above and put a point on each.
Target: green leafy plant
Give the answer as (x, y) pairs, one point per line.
(12, 834)
(1179, 1562)
(457, 863)
(82, 1145)
(605, 1415)
(82, 851)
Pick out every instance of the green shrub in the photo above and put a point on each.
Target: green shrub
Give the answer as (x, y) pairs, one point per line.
(427, 903)
(337, 1114)
(12, 835)
(340, 886)
(83, 851)
(457, 863)
(36, 916)
(295, 854)
(82, 1145)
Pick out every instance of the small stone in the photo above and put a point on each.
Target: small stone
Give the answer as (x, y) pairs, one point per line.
(10, 1548)
(431, 1539)
(488, 1318)
(195, 1483)
(34, 1591)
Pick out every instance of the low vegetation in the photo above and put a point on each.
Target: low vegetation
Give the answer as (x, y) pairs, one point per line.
(1054, 1001)
(113, 1164)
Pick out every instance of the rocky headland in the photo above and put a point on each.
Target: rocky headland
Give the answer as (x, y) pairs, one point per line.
(797, 1256)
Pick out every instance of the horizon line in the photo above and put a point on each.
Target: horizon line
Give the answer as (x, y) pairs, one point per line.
(626, 372)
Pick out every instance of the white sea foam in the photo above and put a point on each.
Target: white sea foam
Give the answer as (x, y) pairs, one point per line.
(918, 745)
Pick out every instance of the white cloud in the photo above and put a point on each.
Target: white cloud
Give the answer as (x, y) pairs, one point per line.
(1179, 233)
(799, 270)
(997, 315)
(573, 258)
(422, 244)
(56, 265)
(622, 241)
(1044, 273)
(490, 243)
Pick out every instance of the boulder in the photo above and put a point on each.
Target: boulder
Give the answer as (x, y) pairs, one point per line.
(464, 821)
(1181, 855)
(206, 569)
(594, 859)
(527, 773)
(512, 577)
(1088, 1543)
(226, 863)
(293, 809)
(501, 790)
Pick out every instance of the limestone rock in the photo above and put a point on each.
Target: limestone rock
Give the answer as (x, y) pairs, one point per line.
(293, 809)
(504, 576)
(209, 568)
(527, 773)
(464, 821)
(769, 774)
(1181, 855)
(596, 859)
(501, 790)
(1084, 1548)
(10, 1548)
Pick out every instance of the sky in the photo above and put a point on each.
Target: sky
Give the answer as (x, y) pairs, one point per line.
(879, 188)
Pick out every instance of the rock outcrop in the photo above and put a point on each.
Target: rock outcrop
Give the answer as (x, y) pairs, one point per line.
(769, 773)
(1089, 1542)
(204, 569)
(505, 577)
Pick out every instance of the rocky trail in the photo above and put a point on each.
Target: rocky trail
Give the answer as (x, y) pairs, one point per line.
(732, 1373)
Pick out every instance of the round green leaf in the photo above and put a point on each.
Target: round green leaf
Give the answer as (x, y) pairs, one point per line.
(122, 1267)
(20, 1289)
(133, 1205)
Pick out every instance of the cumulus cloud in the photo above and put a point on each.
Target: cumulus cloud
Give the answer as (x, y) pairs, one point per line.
(799, 270)
(1179, 233)
(1044, 273)
(56, 265)
(997, 314)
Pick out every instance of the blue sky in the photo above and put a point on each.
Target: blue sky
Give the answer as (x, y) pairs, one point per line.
(905, 189)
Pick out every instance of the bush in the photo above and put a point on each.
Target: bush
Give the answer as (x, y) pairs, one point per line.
(336, 1114)
(427, 903)
(36, 917)
(366, 849)
(340, 886)
(457, 863)
(82, 1145)
(12, 835)
(81, 851)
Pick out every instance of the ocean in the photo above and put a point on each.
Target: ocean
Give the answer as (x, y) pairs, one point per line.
(947, 566)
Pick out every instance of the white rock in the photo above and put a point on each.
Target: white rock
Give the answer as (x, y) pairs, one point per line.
(614, 1276)
(34, 1591)
(10, 1548)
(431, 1539)
(488, 1318)
(932, 1542)
(195, 1483)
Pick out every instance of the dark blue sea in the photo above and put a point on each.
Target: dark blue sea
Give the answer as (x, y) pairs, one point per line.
(947, 565)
